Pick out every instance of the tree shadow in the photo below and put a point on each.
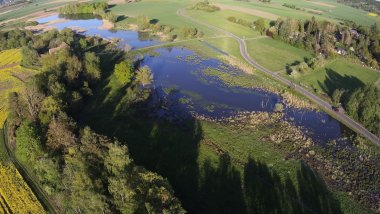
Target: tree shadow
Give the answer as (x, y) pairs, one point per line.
(335, 80)
(172, 150)
(266, 193)
(220, 188)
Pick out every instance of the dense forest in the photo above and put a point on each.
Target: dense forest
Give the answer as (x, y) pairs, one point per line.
(83, 172)
(329, 39)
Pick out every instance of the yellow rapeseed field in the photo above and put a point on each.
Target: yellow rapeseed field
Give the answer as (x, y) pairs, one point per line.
(15, 194)
(11, 56)
(372, 14)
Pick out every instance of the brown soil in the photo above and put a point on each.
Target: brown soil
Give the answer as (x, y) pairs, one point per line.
(107, 25)
(116, 2)
(250, 11)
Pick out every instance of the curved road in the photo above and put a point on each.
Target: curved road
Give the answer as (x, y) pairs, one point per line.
(325, 105)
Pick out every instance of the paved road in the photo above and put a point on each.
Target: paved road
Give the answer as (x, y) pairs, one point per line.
(323, 104)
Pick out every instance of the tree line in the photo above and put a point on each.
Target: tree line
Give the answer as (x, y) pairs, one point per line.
(95, 8)
(84, 172)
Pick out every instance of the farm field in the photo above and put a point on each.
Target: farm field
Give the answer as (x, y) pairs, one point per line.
(329, 10)
(15, 195)
(273, 54)
(167, 13)
(337, 74)
(219, 19)
(35, 6)
(8, 57)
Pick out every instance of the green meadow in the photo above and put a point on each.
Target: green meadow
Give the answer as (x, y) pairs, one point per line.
(273, 54)
(338, 74)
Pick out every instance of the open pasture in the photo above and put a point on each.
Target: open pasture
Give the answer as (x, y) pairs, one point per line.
(328, 10)
(273, 54)
(339, 74)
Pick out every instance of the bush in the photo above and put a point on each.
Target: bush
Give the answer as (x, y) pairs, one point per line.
(205, 6)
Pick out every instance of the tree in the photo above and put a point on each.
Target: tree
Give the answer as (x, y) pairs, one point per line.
(15, 106)
(143, 22)
(49, 108)
(60, 133)
(144, 75)
(33, 99)
(29, 56)
(81, 192)
(92, 65)
(364, 106)
(336, 96)
(260, 25)
(124, 72)
(28, 143)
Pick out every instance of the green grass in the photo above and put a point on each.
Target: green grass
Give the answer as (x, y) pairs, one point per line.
(219, 19)
(36, 6)
(339, 73)
(338, 13)
(274, 55)
(164, 11)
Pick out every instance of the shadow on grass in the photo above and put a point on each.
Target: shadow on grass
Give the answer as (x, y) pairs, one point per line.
(262, 191)
(172, 150)
(335, 80)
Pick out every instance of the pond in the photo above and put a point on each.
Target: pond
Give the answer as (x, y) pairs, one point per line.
(187, 89)
(92, 26)
(180, 83)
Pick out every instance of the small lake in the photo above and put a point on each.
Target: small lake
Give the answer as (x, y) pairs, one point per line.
(181, 84)
(93, 27)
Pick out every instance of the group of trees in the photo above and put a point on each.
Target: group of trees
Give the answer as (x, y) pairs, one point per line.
(305, 66)
(83, 171)
(191, 32)
(364, 106)
(14, 39)
(205, 6)
(326, 37)
(154, 28)
(258, 25)
(96, 8)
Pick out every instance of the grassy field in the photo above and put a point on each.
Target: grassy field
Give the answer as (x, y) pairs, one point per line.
(329, 9)
(274, 55)
(339, 73)
(219, 19)
(165, 12)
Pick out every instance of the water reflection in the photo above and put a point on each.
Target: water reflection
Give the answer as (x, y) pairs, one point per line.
(181, 83)
(92, 26)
